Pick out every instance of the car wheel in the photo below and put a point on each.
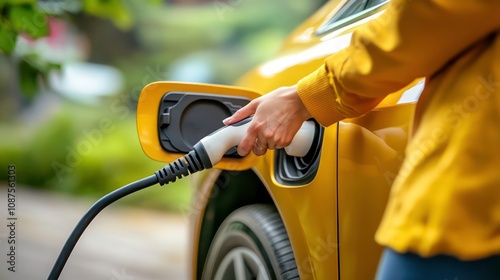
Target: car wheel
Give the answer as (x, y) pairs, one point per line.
(251, 243)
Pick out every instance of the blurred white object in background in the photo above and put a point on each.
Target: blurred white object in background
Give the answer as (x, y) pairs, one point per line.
(86, 82)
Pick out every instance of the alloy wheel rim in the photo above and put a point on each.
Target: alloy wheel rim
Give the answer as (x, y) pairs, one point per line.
(241, 264)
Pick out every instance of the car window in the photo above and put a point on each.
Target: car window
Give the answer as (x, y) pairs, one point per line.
(351, 11)
(374, 3)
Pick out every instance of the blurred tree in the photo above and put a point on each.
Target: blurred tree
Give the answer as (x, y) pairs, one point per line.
(22, 22)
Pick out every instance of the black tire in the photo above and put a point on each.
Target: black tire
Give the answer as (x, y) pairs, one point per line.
(253, 236)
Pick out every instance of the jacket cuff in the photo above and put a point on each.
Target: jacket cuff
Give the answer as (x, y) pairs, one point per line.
(319, 97)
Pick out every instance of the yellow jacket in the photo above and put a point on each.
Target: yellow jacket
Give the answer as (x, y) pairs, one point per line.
(446, 198)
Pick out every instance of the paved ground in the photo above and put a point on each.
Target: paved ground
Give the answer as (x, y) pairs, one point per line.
(120, 244)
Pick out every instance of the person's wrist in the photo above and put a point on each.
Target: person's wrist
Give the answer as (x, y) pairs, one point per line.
(301, 108)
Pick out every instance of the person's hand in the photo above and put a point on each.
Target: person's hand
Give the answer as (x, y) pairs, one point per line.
(278, 116)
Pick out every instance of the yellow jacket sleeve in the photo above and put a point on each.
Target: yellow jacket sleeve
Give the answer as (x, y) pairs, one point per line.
(411, 39)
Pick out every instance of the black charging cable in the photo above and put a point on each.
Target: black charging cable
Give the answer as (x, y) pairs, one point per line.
(90, 215)
(194, 161)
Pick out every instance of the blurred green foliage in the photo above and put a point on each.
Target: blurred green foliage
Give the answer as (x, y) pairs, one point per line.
(30, 18)
(63, 146)
(84, 151)
(20, 16)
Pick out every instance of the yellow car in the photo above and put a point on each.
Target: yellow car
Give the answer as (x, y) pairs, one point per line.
(278, 216)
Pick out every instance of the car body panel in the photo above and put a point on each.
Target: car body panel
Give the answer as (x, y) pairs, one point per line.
(371, 150)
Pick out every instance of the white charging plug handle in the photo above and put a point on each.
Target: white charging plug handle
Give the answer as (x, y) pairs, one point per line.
(219, 142)
(302, 141)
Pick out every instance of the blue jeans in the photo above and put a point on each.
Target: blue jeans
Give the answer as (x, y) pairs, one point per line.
(408, 266)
